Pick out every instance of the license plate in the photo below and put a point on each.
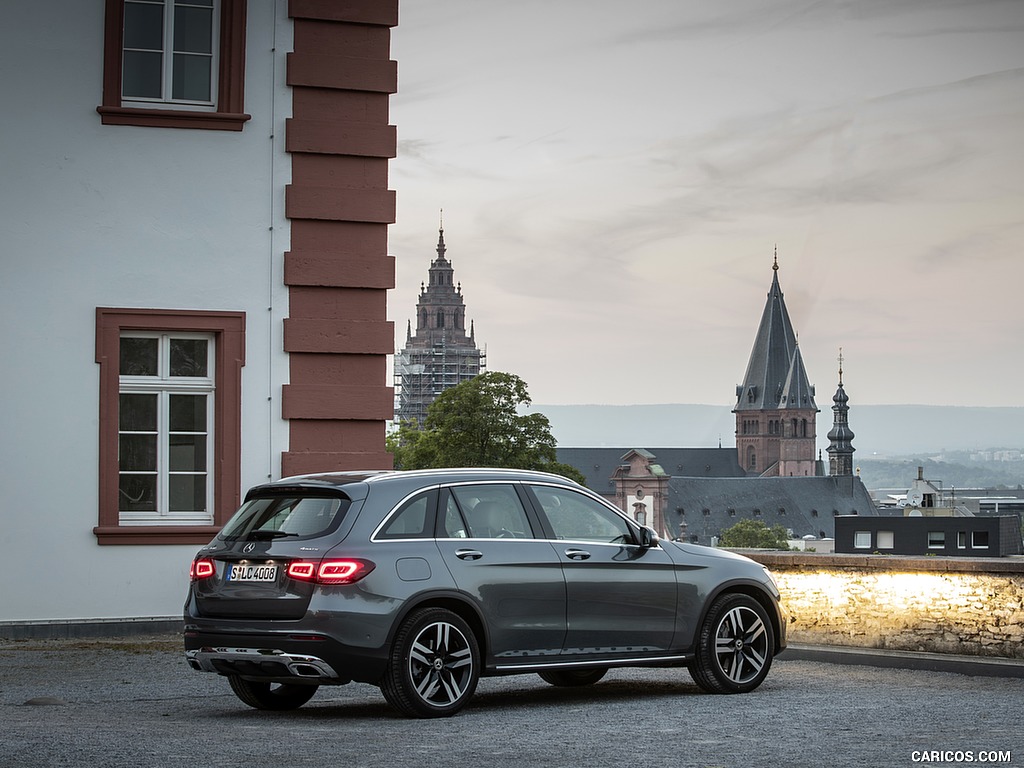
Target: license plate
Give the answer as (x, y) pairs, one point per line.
(241, 572)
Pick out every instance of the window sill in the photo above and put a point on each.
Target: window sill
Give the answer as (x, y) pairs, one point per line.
(151, 534)
(168, 118)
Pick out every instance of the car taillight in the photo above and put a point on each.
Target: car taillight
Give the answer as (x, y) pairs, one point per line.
(201, 569)
(330, 571)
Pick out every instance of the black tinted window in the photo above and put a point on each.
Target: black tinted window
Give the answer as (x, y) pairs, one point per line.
(286, 516)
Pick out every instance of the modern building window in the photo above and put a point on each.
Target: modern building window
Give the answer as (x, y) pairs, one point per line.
(174, 63)
(886, 540)
(862, 540)
(170, 414)
(961, 540)
(979, 539)
(936, 540)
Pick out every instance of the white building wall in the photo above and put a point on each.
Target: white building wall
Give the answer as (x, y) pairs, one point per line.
(120, 216)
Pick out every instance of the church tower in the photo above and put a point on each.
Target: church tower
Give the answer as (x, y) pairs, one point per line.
(775, 408)
(440, 354)
(840, 448)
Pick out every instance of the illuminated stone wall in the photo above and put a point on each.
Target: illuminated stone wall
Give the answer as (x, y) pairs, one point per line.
(942, 605)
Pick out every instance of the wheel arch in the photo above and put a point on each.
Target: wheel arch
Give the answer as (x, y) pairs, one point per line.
(755, 591)
(457, 603)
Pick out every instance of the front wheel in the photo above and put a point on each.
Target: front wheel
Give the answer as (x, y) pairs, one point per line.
(271, 696)
(735, 646)
(571, 678)
(434, 665)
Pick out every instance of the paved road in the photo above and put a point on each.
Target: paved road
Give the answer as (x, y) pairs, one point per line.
(134, 702)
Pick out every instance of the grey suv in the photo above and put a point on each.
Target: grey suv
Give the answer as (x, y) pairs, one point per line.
(421, 582)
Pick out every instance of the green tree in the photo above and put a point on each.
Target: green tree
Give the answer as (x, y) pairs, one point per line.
(478, 424)
(754, 534)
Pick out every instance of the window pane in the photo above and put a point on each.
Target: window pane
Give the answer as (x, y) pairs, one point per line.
(137, 453)
(493, 511)
(885, 539)
(188, 413)
(410, 522)
(138, 493)
(144, 26)
(137, 413)
(187, 493)
(138, 356)
(191, 77)
(187, 453)
(193, 30)
(979, 539)
(140, 75)
(189, 357)
(573, 516)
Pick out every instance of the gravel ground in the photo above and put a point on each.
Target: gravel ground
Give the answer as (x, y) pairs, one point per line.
(134, 702)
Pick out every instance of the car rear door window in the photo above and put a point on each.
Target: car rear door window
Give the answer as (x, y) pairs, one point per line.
(489, 512)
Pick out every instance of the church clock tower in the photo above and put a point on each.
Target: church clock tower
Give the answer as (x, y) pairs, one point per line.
(441, 353)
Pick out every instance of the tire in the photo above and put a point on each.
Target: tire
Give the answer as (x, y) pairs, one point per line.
(572, 678)
(271, 696)
(434, 665)
(735, 646)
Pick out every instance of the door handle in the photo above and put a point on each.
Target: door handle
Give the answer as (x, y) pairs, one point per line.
(577, 554)
(469, 554)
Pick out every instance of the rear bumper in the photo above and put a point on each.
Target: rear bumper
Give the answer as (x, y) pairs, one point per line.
(280, 656)
(267, 664)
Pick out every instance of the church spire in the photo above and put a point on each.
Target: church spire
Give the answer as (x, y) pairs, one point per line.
(773, 357)
(840, 446)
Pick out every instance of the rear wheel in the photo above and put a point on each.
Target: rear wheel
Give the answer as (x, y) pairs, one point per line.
(272, 696)
(735, 646)
(571, 678)
(434, 665)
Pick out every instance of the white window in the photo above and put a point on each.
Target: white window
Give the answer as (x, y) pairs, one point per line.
(979, 539)
(885, 540)
(862, 540)
(165, 428)
(936, 540)
(169, 53)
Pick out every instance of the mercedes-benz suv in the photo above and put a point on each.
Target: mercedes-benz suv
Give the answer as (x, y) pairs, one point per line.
(420, 582)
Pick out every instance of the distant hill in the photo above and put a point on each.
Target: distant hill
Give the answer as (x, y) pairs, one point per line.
(881, 430)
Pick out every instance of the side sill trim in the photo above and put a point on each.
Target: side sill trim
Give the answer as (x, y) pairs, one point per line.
(622, 662)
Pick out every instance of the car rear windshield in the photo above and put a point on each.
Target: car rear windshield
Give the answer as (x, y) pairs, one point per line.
(281, 516)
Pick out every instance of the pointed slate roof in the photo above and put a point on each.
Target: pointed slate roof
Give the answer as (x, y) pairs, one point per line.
(775, 367)
(797, 391)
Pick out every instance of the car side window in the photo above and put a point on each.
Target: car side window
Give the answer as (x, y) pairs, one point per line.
(410, 521)
(492, 512)
(454, 525)
(576, 517)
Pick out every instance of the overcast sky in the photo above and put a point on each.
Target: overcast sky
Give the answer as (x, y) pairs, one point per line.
(616, 176)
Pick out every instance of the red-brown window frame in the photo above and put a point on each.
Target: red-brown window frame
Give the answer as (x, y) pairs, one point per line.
(229, 114)
(229, 331)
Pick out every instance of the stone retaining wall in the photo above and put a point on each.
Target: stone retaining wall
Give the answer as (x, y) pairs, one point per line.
(969, 606)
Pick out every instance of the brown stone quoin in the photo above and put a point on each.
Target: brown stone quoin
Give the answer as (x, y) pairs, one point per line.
(337, 335)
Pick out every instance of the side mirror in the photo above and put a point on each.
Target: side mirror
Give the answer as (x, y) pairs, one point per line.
(646, 537)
